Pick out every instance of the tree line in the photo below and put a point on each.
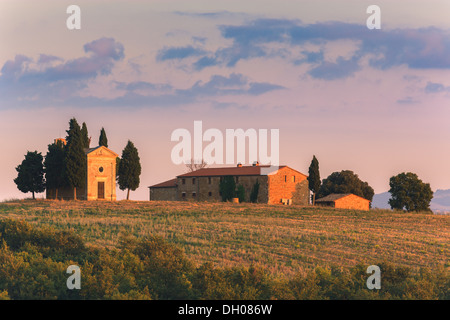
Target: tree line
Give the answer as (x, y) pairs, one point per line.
(65, 165)
(407, 191)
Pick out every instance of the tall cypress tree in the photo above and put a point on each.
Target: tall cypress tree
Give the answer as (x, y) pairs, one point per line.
(314, 178)
(103, 140)
(129, 169)
(254, 193)
(30, 176)
(54, 167)
(84, 135)
(227, 188)
(75, 159)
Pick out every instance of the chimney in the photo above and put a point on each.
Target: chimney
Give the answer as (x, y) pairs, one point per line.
(256, 164)
(239, 165)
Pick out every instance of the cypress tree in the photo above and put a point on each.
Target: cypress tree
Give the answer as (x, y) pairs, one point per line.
(254, 193)
(54, 167)
(240, 193)
(30, 176)
(84, 135)
(129, 169)
(314, 178)
(227, 188)
(75, 159)
(103, 140)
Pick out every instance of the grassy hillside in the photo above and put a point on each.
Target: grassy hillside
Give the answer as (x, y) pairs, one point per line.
(282, 239)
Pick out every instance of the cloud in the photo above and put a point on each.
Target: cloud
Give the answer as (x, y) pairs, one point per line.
(205, 62)
(178, 53)
(45, 58)
(141, 85)
(101, 56)
(13, 68)
(257, 88)
(106, 48)
(433, 87)
(145, 94)
(50, 80)
(310, 57)
(422, 48)
(407, 100)
(235, 84)
(51, 77)
(342, 68)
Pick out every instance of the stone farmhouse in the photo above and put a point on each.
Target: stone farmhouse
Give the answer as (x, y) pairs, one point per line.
(100, 179)
(285, 185)
(344, 201)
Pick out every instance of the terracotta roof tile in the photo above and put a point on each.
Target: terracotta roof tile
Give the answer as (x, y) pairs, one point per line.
(227, 171)
(166, 184)
(336, 196)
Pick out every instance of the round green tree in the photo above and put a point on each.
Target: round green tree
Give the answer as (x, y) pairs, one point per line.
(129, 169)
(345, 182)
(30, 177)
(409, 192)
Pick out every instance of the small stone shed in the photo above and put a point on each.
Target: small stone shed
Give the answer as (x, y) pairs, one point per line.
(344, 201)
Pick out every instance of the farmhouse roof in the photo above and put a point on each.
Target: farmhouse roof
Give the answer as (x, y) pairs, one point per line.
(336, 196)
(166, 184)
(228, 171)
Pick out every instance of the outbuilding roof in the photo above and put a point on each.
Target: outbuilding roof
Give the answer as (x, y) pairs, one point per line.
(336, 196)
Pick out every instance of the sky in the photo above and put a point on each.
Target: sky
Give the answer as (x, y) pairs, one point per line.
(374, 101)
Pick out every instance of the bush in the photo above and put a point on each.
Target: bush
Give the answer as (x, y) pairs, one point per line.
(34, 263)
(240, 193)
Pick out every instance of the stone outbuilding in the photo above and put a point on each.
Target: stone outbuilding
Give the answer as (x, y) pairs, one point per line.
(284, 185)
(344, 201)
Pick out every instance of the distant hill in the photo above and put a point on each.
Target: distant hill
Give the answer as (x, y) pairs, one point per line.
(439, 203)
(380, 200)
